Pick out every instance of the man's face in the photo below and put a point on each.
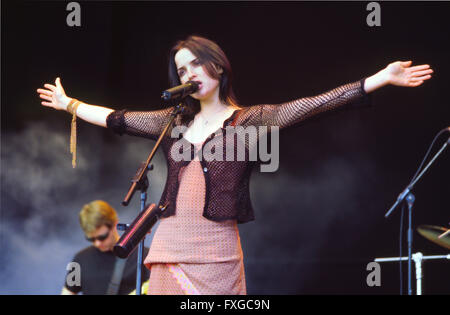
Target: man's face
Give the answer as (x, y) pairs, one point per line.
(103, 238)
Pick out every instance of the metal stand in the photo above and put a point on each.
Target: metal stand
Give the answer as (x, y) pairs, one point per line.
(418, 258)
(140, 182)
(406, 194)
(140, 256)
(410, 201)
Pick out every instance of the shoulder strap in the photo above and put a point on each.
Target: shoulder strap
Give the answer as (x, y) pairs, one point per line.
(114, 284)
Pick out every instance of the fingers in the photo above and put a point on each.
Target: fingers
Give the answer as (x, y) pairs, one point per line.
(58, 84)
(50, 87)
(417, 68)
(414, 84)
(422, 78)
(45, 97)
(423, 72)
(406, 63)
(47, 104)
(46, 92)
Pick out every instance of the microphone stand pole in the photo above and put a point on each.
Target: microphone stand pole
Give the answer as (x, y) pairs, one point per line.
(410, 201)
(140, 182)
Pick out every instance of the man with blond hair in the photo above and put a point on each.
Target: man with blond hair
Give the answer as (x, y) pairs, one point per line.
(101, 272)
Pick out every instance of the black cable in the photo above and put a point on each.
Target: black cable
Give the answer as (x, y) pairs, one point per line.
(428, 152)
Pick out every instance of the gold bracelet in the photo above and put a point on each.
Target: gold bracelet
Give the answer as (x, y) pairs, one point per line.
(72, 108)
(69, 107)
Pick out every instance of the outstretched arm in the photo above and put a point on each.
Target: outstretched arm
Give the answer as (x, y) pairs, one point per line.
(139, 123)
(399, 73)
(55, 97)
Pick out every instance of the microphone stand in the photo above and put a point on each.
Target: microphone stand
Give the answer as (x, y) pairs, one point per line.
(140, 182)
(410, 198)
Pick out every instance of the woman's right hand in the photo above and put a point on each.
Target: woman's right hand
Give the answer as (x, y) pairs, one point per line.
(54, 96)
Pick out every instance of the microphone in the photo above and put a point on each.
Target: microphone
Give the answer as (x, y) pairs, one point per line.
(137, 230)
(180, 91)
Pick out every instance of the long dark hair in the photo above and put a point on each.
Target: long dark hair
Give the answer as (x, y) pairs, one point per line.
(209, 55)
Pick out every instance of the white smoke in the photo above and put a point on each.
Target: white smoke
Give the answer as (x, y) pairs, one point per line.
(42, 195)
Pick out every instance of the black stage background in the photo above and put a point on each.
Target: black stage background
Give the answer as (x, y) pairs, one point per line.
(320, 217)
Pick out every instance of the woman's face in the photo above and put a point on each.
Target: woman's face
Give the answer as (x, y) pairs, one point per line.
(189, 68)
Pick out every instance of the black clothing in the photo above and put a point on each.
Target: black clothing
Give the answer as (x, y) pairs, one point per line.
(227, 182)
(97, 268)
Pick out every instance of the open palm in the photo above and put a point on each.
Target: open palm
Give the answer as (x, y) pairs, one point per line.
(54, 95)
(402, 74)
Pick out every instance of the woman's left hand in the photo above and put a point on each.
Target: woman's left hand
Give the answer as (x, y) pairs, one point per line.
(401, 73)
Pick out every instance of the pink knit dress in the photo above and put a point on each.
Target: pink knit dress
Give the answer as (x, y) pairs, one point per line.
(190, 254)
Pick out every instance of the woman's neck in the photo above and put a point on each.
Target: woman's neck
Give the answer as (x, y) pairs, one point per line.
(208, 109)
(212, 105)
